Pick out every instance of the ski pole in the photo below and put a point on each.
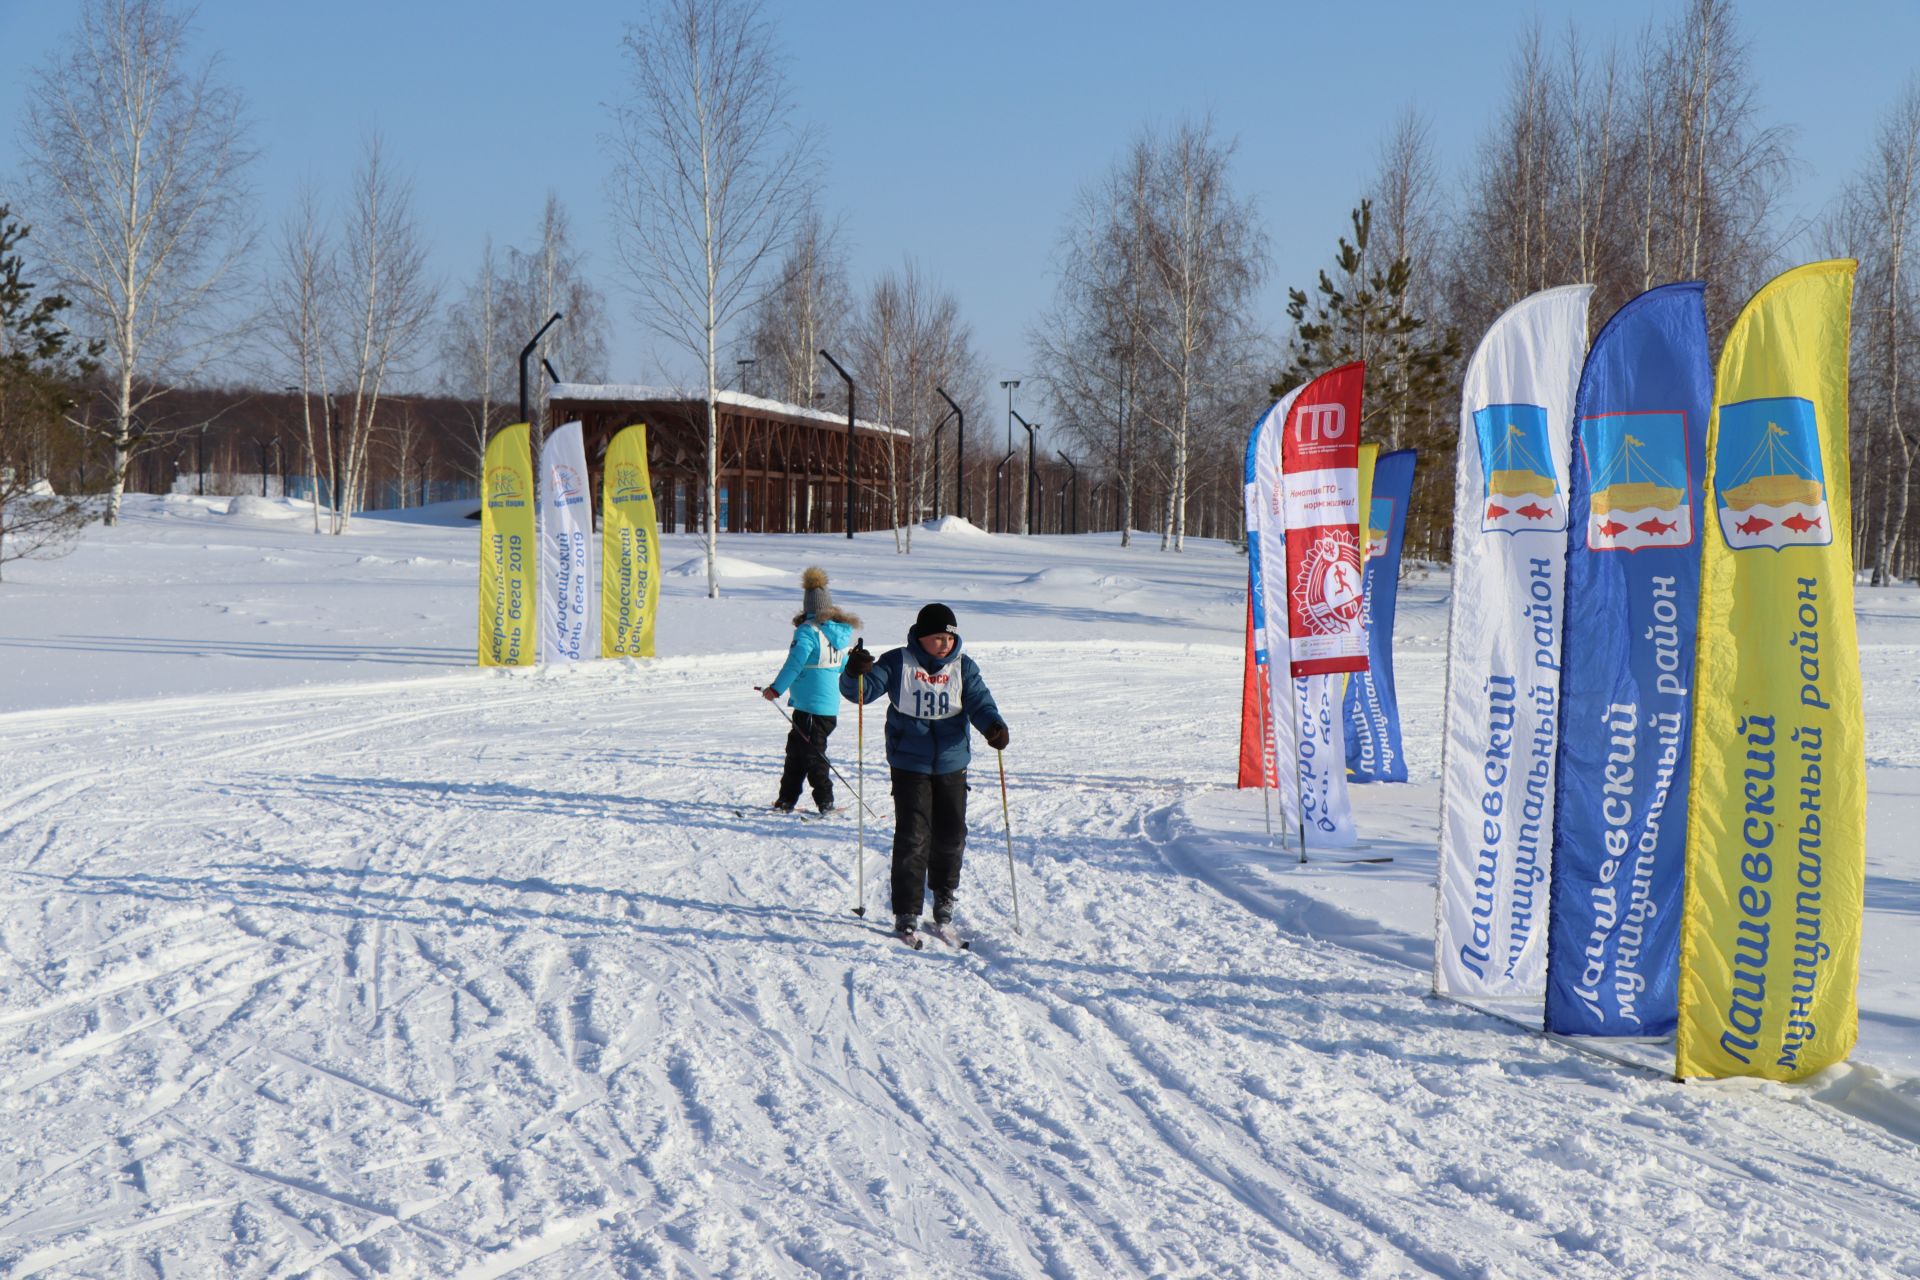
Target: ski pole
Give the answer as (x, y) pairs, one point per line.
(860, 791)
(1006, 822)
(816, 751)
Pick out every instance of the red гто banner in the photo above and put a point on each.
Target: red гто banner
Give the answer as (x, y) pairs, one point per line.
(1321, 503)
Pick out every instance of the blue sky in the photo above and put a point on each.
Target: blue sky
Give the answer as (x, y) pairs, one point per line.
(957, 134)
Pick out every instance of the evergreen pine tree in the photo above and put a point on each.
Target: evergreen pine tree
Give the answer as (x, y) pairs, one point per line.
(42, 371)
(1363, 310)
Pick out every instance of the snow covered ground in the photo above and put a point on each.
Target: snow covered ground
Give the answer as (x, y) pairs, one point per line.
(324, 953)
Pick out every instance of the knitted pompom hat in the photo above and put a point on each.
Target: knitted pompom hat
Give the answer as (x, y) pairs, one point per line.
(815, 599)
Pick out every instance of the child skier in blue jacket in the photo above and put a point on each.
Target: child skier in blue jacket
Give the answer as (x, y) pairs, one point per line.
(934, 692)
(821, 635)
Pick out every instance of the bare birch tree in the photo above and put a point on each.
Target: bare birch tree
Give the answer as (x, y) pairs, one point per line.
(1088, 348)
(711, 179)
(1877, 214)
(1205, 256)
(907, 341)
(550, 277)
(476, 352)
(136, 164)
(388, 300)
(1713, 171)
(808, 307)
(302, 303)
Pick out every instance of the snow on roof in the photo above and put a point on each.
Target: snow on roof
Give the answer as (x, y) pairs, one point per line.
(738, 399)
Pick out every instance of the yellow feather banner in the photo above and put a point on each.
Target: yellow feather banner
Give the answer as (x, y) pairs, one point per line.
(508, 563)
(629, 549)
(1776, 821)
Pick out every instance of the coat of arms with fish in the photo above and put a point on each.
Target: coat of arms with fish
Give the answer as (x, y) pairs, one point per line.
(1520, 491)
(1769, 483)
(1639, 490)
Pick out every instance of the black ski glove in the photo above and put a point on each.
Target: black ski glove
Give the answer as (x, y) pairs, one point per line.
(859, 661)
(998, 737)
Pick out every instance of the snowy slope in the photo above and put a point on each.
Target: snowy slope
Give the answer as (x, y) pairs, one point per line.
(486, 974)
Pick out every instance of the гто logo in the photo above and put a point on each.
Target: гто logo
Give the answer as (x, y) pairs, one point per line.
(1326, 588)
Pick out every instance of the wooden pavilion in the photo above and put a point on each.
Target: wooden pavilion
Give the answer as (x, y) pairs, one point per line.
(783, 467)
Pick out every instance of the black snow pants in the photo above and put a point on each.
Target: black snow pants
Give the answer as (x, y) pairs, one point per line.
(807, 759)
(929, 837)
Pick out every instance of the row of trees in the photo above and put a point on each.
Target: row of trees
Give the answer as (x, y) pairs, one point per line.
(716, 185)
(138, 167)
(1624, 167)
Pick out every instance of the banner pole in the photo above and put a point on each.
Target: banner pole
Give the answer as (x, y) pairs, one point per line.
(1266, 754)
(1299, 787)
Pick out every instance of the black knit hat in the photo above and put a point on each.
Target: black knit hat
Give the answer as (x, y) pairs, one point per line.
(936, 619)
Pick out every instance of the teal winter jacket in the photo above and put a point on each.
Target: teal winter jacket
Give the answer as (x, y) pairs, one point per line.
(814, 661)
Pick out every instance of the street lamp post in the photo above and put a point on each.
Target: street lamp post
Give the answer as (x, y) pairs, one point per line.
(745, 364)
(1033, 477)
(1010, 384)
(1000, 492)
(1073, 504)
(850, 393)
(936, 461)
(526, 354)
(200, 463)
(336, 475)
(959, 460)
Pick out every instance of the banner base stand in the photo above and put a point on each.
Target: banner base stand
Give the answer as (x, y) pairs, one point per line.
(1586, 1045)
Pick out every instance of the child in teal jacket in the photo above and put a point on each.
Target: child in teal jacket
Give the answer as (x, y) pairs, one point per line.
(822, 634)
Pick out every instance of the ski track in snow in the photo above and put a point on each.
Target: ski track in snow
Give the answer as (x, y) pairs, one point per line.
(493, 975)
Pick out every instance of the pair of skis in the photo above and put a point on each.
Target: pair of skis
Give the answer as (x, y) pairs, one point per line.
(945, 932)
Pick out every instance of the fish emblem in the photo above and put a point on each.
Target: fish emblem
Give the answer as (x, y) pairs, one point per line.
(1752, 525)
(1800, 524)
(1534, 511)
(1495, 511)
(1613, 528)
(1653, 528)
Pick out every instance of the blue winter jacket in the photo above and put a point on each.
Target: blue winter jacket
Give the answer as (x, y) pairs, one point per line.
(816, 690)
(917, 744)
